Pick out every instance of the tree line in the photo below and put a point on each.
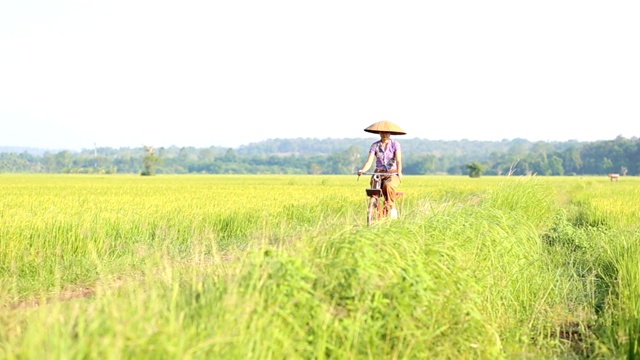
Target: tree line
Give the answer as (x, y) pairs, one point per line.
(340, 156)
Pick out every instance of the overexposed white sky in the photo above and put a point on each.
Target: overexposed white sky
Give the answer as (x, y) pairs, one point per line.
(127, 73)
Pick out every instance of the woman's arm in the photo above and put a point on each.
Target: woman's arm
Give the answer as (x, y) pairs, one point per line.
(367, 164)
(399, 163)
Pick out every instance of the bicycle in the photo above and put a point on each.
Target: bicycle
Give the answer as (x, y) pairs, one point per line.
(375, 205)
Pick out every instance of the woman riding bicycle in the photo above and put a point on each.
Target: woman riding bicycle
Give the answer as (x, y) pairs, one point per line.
(387, 154)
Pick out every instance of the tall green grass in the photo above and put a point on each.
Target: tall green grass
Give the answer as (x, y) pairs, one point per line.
(268, 267)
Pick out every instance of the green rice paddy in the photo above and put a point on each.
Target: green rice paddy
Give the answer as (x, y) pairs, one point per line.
(284, 267)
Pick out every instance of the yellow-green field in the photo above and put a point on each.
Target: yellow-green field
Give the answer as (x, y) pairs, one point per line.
(284, 267)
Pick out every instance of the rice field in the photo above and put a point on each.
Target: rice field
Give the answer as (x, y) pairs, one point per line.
(284, 267)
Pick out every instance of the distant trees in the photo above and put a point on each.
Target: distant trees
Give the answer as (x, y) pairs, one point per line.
(422, 164)
(343, 156)
(149, 161)
(475, 169)
(344, 162)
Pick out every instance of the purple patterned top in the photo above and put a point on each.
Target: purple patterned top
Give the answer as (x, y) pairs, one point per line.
(385, 158)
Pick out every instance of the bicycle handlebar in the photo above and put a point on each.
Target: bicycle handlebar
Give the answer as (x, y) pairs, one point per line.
(377, 173)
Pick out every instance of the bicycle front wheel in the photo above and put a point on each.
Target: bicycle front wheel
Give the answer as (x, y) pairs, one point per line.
(372, 210)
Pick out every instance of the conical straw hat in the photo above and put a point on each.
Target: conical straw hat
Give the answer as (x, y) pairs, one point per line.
(385, 126)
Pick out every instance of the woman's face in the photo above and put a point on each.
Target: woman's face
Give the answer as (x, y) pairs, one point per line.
(384, 136)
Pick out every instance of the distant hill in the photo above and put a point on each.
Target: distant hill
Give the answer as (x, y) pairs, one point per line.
(28, 150)
(315, 147)
(312, 146)
(341, 156)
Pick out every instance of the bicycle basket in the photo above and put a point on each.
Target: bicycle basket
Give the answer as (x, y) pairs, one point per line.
(374, 192)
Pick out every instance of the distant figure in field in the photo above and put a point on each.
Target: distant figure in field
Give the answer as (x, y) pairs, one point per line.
(387, 154)
(614, 177)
